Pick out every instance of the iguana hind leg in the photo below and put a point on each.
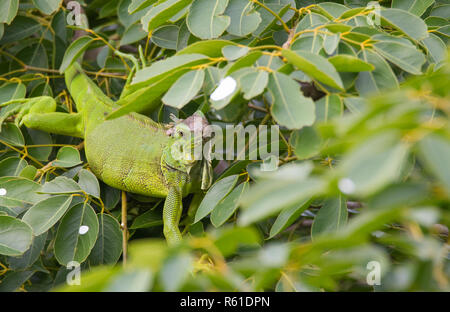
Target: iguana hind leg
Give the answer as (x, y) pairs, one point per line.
(56, 122)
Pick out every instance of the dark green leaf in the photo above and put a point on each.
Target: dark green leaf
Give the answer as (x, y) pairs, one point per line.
(77, 234)
(331, 217)
(108, 246)
(75, 50)
(228, 205)
(15, 236)
(215, 194)
(46, 213)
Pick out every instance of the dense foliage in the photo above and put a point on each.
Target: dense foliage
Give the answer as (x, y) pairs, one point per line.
(360, 92)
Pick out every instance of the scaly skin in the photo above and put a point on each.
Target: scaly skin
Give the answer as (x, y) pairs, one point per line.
(131, 153)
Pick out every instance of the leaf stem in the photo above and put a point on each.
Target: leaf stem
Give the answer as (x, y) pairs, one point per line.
(286, 28)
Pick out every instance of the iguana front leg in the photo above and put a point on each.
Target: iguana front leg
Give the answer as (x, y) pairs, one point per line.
(173, 208)
(40, 113)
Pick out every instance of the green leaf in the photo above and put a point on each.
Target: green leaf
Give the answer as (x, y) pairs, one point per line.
(232, 52)
(13, 280)
(75, 50)
(76, 234)
(284, 193)
(30, 256)
(28, 172)
(400, 52)
(306, 142)
(47, 6)
(12, 91)
(110, 196)
(183, 37)
(407, 23)
(137, 5)
(61, 185)
(41, 138)
(89, 183)
(316, 66)
(12, 166)
(310, 43)
(8, 10)
(244, 19)
(268, 20)
(331, 9)
(330, 43)
(107, 10)
(254, 83)
(206, 20)
(229, 239)
(124, 16)
(228, 205)
(95, 281)
(329, 107)
(46, 213)
(444, 31)
(435, 21)
(437, 50)
(331, 217)
(176, 271)
(310, 21)
(162, 12)
(349, 63)
(184, 89)
(434, 151)
(381, 78)
(417, 7)
(400, 194)
(11, 134)
(15, 236)
(215, 194)
(290, 108)
(21, 28)
(35, 55)
(67, 157)
(245, 61)
(19, 192)
(108, 246)
(166, 36)
(164, 68)
(133, 34)
(148, 219)
(211, 48)
(147, 98)
(338, 27)
(288, 216)
(372, 164)
(441, 11)
(134, 280)
(355, 104)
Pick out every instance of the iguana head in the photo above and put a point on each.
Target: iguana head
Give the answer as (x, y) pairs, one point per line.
(186, 147)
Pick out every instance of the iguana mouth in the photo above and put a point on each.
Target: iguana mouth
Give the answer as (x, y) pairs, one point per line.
(167, 166)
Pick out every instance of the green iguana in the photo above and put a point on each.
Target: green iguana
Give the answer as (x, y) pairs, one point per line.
(132, 153)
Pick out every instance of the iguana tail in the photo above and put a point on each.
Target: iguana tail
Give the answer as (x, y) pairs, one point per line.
(81, 87)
